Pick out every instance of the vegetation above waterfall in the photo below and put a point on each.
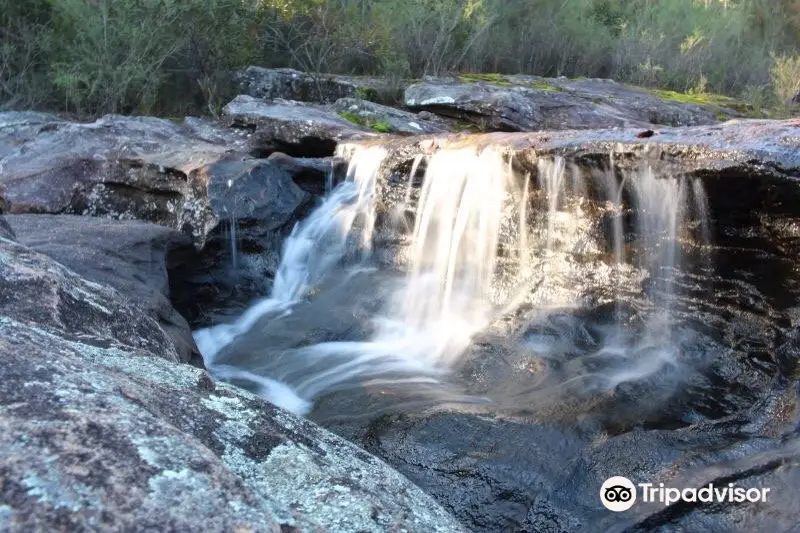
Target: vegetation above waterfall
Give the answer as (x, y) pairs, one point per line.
(172, 57)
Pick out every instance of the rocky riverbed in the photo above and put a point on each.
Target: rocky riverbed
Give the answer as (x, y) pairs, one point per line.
(122, 236)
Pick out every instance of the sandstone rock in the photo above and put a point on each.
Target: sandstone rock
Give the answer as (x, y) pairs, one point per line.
(530, 103)
(291, 127)
(17, 127)
(215, 132)
(117, 167)
(474, 466)
(130, 256)
(755, 146)
(258, 193)
(257, 203)
(102, 430)
(389, 119)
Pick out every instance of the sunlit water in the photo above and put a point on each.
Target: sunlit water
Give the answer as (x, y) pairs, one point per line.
(478, 248)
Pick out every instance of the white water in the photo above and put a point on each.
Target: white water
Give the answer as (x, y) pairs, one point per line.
(662, 206)
(470, 208)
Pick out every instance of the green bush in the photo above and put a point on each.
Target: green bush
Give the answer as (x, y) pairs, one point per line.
(25, 45)
(113, 54)
(785, 73)
(176, 56)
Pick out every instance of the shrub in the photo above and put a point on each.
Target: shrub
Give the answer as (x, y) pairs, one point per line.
(785, 73)
(25, 43)
(113, 53)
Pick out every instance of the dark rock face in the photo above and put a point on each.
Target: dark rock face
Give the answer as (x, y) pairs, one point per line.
(130, 256)
(117, 167)
(258, 193)
(294, 128)
(103, 430)
(506, 474)
(313, 175)
(530, 103)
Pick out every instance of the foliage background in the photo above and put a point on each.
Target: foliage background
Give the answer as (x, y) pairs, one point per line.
(173, 57)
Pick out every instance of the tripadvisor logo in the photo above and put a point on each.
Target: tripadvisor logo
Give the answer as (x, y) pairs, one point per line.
(619, 494)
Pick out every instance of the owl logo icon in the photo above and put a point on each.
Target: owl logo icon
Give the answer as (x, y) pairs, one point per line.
(618, 494)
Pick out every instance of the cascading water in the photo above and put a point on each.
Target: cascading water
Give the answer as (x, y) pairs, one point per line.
(476, 252)
(309, 253)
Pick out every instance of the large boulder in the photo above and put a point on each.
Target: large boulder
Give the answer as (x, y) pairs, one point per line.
(117, 167)
(291, 127)
(258, 193)
(529, 103)
(132, 257)
(103, 429)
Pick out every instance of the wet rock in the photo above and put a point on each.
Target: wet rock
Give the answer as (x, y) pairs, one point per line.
(529, 474)
(104, 430)
(258, 193)
(388, 119)
(290, 84)
(130, 256)
(530, 103)
(116, 167)
(294, 128)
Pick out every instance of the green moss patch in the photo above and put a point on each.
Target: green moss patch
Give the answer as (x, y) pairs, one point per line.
(718, 102)
(543, 85)
(695, 98)
(354, 118)
(381, 126)
(493, 78)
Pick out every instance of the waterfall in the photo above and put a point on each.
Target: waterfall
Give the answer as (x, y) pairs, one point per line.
(446, 296)
(314, 246)
(477, 250)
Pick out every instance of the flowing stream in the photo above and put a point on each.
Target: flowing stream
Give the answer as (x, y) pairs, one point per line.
(471, 245)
